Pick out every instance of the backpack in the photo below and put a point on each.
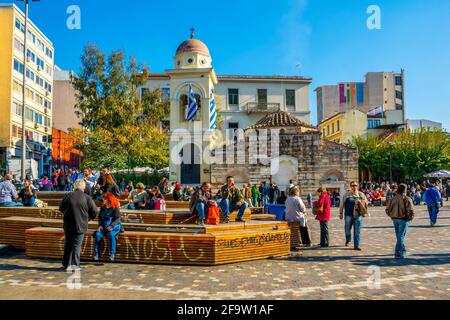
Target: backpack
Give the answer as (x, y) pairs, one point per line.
(160, 204)
(213, 215)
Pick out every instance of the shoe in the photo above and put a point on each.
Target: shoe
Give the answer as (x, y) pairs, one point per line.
(347, 244)
(112, 257)
(239, 220)
(358, 249)
(96, 257)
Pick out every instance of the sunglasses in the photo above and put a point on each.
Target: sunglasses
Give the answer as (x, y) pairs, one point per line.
(354, 185)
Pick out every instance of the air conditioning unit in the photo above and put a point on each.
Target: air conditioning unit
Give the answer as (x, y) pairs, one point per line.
(47, 93)
(46, 129)
(28, 59)
(45, 110)
(39, 68)
(36, 126)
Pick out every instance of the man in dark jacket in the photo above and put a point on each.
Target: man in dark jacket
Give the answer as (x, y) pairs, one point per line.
(77, 208)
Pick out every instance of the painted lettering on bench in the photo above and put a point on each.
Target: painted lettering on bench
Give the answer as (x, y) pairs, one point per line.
(258, 241)
(131, 217)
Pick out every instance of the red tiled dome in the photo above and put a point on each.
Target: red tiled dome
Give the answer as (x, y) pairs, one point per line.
(193, 45)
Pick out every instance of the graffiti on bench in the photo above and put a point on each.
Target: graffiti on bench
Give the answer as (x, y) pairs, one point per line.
(258, 241)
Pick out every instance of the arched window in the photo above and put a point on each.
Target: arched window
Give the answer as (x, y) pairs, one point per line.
(184, 107)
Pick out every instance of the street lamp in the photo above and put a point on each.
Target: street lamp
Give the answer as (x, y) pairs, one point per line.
(24, 141)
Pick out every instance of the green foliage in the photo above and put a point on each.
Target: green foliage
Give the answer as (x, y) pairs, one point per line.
(149, 180)
(412, 154)
(120, 130)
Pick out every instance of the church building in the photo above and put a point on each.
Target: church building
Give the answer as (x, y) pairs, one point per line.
(229, 104)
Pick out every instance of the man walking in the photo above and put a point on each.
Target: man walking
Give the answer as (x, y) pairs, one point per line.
(77, 208)
(401, 211)
(433, 200)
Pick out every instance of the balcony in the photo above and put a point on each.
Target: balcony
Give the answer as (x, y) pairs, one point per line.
(255, 107)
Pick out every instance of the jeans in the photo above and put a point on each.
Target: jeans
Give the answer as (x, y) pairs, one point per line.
(324, 236)
(265, 199)
(30, 202)
(356, 223)
(72, 249)
(433, 211)
(401, 229)
(255, 202)
(200, 207)
(11, 204)
(112, 238)
(229, 207)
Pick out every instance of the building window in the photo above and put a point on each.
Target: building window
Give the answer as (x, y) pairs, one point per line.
(143, 91)
(398, 81)
(17, 108)
(29, 114)
(18, 45)
(233, 97)
(398, 107)
(18, 66)
(332, 128)
(165, 93)
(338, 124)
(398, 95)
(290, 98)
(323, 130)
(262, 98)
(373, 124)
(328, 130)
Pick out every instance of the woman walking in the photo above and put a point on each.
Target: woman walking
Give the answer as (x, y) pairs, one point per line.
(353, 218)
(323, 209)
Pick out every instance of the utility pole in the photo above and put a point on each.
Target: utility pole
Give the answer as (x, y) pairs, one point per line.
(24, 141)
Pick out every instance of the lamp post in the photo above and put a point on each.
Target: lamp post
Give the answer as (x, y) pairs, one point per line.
(24, 141)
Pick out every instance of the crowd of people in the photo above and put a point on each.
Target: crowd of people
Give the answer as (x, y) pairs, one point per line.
(79, 206)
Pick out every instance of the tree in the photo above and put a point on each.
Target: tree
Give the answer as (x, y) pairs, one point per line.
(412, 154)
(120, 130)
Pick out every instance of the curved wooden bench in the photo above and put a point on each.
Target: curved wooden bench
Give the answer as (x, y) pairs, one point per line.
(171, 248)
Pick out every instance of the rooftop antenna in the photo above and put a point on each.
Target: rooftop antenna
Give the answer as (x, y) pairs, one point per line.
(298, 66)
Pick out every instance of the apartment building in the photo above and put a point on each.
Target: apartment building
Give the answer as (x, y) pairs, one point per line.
(38, 96)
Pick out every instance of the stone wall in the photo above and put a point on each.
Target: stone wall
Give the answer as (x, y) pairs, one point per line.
(317, 159)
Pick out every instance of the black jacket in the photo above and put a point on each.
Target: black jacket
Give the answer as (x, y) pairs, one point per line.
(77, 208)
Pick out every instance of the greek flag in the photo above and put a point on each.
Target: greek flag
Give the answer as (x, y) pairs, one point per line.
(212, 112)
(192, 105)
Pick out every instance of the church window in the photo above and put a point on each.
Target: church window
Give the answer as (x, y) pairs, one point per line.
(190, 61)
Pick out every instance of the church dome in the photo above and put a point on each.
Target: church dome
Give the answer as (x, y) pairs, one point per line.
(193, 46)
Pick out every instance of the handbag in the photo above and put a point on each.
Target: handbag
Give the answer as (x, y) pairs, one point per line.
(317, 210)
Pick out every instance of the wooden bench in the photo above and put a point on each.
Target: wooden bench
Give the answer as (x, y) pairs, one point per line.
(172, 248)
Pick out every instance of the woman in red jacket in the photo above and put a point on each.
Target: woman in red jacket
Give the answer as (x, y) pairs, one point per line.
(323, 216)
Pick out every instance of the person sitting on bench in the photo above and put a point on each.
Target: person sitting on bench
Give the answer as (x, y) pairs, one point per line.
(232, 200)
(200, 202)
(8, 193)
(108, 222)
(138, 198)
(28, 195)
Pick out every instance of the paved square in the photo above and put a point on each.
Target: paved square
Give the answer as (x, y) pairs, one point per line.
(333, 273)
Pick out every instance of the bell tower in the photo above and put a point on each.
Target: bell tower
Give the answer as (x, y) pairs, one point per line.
(192, 69)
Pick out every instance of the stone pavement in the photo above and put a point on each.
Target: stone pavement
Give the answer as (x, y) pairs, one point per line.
(332, 273)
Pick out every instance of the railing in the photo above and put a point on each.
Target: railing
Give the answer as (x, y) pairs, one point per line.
(262, 107)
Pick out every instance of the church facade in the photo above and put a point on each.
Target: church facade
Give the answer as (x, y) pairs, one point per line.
(242, 101)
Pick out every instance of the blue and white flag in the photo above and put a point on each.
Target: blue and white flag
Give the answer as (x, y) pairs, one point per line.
(192, 105)
(212, 112)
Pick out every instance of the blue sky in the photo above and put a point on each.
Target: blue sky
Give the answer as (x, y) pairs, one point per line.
(329, 38)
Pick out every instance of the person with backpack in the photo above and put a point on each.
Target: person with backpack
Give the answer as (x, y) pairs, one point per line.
(201, 201)
(401, 210)
(352, 200)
